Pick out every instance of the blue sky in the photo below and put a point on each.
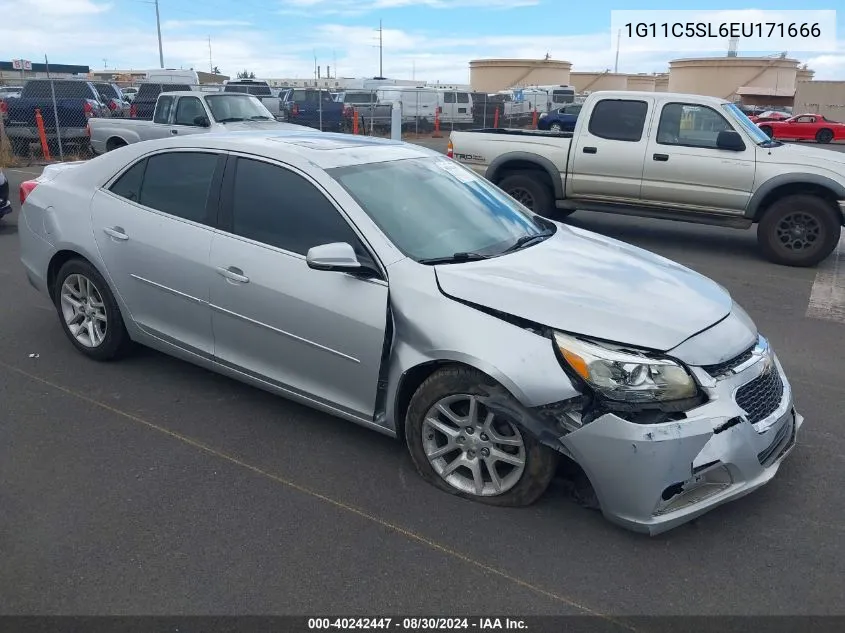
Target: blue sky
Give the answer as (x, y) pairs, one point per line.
(427, 39)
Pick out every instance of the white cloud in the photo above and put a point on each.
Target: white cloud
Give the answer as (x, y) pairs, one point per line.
(46, 8)
(171, 25)
(356, 7)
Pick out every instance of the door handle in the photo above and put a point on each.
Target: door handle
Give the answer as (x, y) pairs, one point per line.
(117, 233)
(590, 150)
(233, 274)
(661, 157)
(174, 131)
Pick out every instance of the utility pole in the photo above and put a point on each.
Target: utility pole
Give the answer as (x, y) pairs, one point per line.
(158, 28)
(210, 63)
(618, 40)
(380, 50)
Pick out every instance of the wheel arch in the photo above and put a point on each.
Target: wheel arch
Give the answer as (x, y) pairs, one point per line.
(792, 184)
(114, 142)
(525, 161)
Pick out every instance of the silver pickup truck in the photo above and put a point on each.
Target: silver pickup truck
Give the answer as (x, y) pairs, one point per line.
(676, 157)
(189, 112)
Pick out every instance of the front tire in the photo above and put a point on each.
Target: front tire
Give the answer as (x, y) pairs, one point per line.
(461, 447)
(89, 313)
(767, 130)
(799, 230)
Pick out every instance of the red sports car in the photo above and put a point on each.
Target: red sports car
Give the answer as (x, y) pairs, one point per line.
(805, 127)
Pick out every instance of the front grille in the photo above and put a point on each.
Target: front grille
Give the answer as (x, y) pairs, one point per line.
(761, 397)
(721, 369)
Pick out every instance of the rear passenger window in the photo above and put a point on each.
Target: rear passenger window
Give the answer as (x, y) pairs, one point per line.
(178, 183)
(129, 184)
(463, 97)
(618, 119)
(449, 97)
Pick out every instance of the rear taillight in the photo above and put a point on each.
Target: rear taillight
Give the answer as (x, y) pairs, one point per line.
(4, 107)
(27, 187)
(450, 153)
(112, 105)
(89, 111)
(295, 110)
(133, 111)
(347, 111)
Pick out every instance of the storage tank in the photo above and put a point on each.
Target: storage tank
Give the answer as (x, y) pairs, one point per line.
(492, 75)
(590, 81)
(642, 82)
(723, 76)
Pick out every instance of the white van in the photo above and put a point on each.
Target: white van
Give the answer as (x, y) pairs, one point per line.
(173, 76)
(418, 104)
(455, 107)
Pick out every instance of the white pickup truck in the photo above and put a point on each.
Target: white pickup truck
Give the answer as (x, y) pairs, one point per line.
(188, 112)
(676, 157)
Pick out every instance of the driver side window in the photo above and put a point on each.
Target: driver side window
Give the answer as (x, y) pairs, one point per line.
(690, 126)
(187, 111)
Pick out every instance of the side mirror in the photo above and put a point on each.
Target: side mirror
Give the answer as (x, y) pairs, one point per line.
(202, 121)
(730, 140)
(336, 256)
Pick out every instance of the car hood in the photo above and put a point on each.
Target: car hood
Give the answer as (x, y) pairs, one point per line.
(244, 126)
(793, 154)
(584, 283)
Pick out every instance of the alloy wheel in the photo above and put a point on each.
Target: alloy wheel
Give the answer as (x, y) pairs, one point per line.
(83, 310)
(798, 231)
(474, 450)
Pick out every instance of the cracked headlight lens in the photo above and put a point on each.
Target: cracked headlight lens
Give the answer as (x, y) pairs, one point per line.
(624, 374)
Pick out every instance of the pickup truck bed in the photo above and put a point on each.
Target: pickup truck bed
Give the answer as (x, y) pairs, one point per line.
(680, 157)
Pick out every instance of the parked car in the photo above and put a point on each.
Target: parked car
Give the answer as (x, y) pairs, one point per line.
(8, 92)
(769, 115)
(256, 88)
(144, 102)
(5, 203)
(111, 95)
(315, 108)
(371, 113)
(560, 120)
(129, 93)
(805, 127)
(383, 283)
(185, 113)
(77, 102)
(672, 156)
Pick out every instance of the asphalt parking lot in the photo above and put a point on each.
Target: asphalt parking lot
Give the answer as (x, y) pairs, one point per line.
(150, 486)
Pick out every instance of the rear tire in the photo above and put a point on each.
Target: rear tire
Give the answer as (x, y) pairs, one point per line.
(500, 464)
(556, 128)
(114, 143)
(799, 230)
(89, 313)
(824, 136)
(532, 191)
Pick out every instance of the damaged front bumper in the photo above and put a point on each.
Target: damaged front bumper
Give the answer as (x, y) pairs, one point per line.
(653, 477)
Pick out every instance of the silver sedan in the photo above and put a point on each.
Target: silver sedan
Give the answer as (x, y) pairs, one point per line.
(386, 284)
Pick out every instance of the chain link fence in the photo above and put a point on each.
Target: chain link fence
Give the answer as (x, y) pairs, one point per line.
(48, 119)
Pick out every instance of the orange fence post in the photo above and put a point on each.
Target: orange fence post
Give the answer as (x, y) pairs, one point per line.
(42, 134)
(496, 118)
(355, 121)
(437, 124)
(534, 120)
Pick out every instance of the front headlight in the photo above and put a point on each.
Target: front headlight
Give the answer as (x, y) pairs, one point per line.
(626, 375)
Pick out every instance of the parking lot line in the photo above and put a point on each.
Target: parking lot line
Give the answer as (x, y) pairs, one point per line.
(827, 298)
(413, 536)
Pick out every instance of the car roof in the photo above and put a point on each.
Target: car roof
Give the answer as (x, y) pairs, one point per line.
(323, 149)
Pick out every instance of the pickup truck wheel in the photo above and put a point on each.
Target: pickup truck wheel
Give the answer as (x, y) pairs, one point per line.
(114, 143)
(824, 136)
(799, 230)
(531, 192)
(767, 130)
(462, 447)
(556, 127)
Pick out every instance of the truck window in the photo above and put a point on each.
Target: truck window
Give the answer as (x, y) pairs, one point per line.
(162, 112)
(690, 126)
(187, 110)
(618, 119)
(463, 97)
(40, 89)
(449, 97)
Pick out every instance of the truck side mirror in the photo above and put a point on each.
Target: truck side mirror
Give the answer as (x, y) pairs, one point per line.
(730, 140)
(202, 121)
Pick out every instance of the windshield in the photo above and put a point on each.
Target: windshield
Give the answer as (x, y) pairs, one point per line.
(756, 134)
(237, 107)
(433, 207)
